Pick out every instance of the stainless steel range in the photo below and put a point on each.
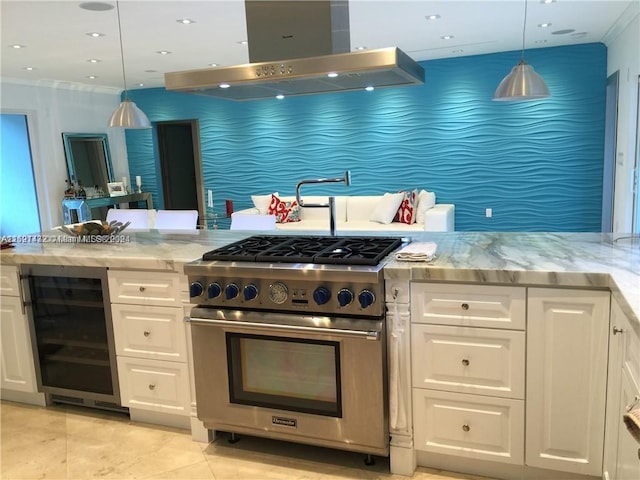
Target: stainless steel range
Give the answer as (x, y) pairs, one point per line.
(289, 339)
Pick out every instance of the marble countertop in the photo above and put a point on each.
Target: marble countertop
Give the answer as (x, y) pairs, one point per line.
(556, 259)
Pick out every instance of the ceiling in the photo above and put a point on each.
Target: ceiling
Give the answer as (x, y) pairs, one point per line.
(57, 47)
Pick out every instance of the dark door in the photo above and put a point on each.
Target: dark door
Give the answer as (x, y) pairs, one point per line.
(180, 164)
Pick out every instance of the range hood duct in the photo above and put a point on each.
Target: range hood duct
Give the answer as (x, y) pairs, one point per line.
(293, 46)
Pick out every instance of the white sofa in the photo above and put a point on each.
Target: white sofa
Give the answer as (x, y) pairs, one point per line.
(353, 214)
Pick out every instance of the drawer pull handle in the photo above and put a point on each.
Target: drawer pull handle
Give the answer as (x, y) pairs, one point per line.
(465, 362)
(142, 289)
(146, 333)
(152, 386)
(466, 427)
(617, 330)
(465, 306)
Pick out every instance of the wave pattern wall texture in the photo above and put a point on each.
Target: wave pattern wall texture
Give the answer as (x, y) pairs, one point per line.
(538, 164)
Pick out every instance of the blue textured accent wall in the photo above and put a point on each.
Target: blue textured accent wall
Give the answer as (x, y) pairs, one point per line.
(537, 164)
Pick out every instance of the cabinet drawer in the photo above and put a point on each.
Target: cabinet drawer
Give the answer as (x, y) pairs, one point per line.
(150, 332)
(145, 288)
(469, 305)
(154, 385)
(473, 360)
(470, 426)
(9, 281)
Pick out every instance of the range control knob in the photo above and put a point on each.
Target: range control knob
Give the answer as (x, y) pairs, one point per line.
(321, 295)
(195, 289)
(366, 298)
(214, 290)
(250, 292)
(231, 291)
(345, 297)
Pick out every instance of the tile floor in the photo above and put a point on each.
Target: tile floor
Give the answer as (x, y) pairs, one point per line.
(67, 442)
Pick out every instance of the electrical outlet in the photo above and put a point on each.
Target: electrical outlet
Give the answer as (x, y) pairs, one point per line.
(488, 212)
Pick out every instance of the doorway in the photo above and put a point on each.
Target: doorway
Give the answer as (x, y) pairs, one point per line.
(610, 140)
(17, 182)
(181, 166)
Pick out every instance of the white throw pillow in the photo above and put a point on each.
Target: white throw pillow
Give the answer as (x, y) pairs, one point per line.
(262, 202)
(386, 208)
(426, 201)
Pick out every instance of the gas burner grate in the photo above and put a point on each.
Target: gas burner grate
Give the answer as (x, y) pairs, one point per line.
(307, 249)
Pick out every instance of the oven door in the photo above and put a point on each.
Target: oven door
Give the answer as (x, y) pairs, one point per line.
(316, 380)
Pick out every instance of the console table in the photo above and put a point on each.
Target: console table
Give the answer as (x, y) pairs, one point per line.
(79, 209)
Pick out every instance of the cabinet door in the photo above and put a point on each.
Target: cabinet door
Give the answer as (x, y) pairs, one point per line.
(567, 337)
(18, 371)
(9, 281)
(628, 458)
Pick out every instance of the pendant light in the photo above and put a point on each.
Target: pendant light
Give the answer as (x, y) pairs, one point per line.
(523, 83)
(127, 115)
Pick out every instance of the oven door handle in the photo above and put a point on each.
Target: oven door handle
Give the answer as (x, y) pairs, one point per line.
(367, 335)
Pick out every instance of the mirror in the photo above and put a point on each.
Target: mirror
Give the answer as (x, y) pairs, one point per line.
(88, 159)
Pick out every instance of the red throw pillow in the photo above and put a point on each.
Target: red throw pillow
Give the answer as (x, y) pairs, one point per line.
(407, 211)
(285, 212)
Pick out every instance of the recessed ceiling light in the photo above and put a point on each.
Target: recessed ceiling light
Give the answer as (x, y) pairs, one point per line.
(243, 42)
(95, 34)
(92, 77)
(547, 2)
(279, 96)
(544, 25)
(141, 84)
(369, 88)
(17, 46)
(185, 21)
(163, 52)
(213, 64)
(361, 48)
(96, 6)
(434, 16)
(94, 60)
(447, 37)
(332, 74)
(224, 85)
(29, 68)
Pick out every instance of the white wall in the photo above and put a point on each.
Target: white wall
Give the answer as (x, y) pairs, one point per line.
(623, 55)
(53, 108)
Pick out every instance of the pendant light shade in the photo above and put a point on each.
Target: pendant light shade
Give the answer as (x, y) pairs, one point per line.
(523, 83)
(127, 115)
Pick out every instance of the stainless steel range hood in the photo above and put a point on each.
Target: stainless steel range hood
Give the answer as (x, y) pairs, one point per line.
(293, 47)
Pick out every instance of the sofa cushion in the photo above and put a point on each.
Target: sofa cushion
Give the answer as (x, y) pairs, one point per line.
(426, 201)
(407, 210)
(359, 207)
(386, 208)
(285, 212)
(262, 202)
(368, 226)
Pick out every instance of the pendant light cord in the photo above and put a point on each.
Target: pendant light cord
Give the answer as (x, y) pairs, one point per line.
(124, 78)
(524, 28)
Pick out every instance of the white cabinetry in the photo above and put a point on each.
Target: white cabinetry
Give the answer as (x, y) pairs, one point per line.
(566, 379)
(468, 352)
(18, 381)
(622, 452)
(149, 330)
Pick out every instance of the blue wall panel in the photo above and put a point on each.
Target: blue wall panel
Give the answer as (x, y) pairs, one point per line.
(537, 164)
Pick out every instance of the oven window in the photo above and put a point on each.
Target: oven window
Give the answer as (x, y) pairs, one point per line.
(285, 373)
